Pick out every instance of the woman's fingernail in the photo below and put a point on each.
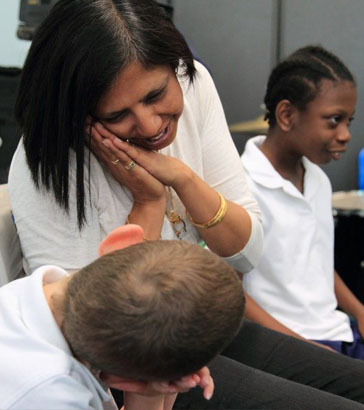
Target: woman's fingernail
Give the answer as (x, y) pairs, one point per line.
(106, 143)
(118, 141)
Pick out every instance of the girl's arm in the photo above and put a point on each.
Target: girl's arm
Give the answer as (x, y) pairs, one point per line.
(257, 314)
(349, 302)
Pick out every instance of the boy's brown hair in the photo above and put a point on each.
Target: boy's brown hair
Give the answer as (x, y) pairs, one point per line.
(157, 310)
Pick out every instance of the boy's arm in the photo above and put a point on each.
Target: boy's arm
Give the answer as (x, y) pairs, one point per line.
(349, 302)
(136, 401)
(257, 314)
(169, 401)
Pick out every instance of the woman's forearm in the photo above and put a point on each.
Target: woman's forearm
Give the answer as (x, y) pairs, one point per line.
(149, 216)
(202, 203)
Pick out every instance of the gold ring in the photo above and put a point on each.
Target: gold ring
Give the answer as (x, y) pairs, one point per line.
(130, 166)
(116, 161)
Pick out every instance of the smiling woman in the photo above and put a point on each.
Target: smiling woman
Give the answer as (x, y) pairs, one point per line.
(143, 106)
(153, 120)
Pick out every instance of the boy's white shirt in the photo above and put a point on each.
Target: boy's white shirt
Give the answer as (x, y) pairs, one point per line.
(297, 290)
(38, 370)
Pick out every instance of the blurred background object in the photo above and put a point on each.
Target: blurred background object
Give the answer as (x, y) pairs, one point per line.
(348, 207)
(9, 130)
(31, 14)
(242, 131)
(256, 126)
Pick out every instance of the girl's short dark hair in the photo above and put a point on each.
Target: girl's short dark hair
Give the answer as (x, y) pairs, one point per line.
(75, 56)
(298, 78)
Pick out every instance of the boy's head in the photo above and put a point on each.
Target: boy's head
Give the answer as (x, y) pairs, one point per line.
(156, 310)
(299, 77)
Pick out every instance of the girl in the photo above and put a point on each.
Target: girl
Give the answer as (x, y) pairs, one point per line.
(310, 102)
(162, 158)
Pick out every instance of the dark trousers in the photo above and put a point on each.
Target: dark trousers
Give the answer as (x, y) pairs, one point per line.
(265, 370)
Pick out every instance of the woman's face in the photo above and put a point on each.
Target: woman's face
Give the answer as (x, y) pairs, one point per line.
(143, 106)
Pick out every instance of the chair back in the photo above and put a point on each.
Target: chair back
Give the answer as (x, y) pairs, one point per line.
(11, 259)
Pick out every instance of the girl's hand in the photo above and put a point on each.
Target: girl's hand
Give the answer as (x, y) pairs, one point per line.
(143, 186)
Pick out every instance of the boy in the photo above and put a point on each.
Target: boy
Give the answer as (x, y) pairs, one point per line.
(149, 313)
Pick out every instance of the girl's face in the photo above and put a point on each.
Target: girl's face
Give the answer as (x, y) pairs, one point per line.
(322, 129)
(143, 106)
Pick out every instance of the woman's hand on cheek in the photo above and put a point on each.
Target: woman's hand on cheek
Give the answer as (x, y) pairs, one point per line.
(143, 186)
(168, 170)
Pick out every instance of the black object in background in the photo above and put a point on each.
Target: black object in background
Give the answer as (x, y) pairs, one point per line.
(33, 12)
(349, 250)
(9, 130)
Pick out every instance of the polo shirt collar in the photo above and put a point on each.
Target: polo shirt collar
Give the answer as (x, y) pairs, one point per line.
(35, 310)
(261, 170)
(38, 316)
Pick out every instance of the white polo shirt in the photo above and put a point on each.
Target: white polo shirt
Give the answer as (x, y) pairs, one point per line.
(38, 370)
(294, 280)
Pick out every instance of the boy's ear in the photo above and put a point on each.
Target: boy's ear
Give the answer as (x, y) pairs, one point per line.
(121, 237)
(285, 114)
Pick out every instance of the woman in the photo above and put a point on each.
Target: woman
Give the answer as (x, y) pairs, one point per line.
(138, 83)
(162, 158)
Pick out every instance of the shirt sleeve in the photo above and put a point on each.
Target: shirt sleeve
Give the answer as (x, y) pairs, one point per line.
(61, 392)
(223, 169)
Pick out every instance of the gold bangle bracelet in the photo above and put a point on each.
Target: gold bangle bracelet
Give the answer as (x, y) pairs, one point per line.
(219, 216)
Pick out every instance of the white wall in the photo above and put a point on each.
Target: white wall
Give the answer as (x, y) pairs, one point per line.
(12, 50)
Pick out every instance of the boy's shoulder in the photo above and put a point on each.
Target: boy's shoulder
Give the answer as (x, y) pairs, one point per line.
(35, 358)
